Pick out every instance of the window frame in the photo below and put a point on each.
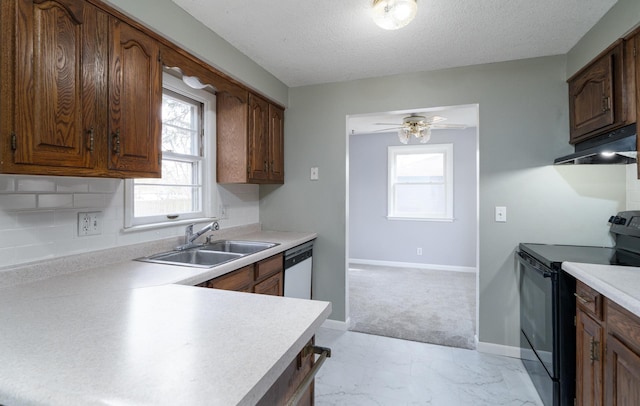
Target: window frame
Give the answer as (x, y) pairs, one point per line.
(393, 153)
(206, 162)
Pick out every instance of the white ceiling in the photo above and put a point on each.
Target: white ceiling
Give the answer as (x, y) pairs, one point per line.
(304, 42)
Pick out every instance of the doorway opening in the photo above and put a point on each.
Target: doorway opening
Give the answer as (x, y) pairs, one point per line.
(412, 225)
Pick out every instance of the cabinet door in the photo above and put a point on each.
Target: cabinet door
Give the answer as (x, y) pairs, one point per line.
(622, 374)
(231, 138)
(589, 356)
(135, 101)
(276, 144)
(592, 95)
(258, 139)
(271, 286)
(59, 46)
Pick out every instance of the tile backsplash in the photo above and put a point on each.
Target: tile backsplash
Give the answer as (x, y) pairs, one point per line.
(39, 216)
(633, 188)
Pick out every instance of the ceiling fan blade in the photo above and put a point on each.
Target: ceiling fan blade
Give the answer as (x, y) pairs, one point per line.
(448, 126)
(387, 123)
(387, 129)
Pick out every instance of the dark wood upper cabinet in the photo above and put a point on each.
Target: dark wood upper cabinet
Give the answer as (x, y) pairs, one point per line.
(602, 94)
(57, 82)
(135, 100)
(81, 89)
(250, 138)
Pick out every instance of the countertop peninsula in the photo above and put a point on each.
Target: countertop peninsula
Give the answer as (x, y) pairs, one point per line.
(133, 333)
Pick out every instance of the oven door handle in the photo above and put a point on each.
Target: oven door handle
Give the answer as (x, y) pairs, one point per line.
(527, 261)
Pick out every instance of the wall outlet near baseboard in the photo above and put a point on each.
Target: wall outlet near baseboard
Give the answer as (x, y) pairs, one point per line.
(89, 223)
(419, 251)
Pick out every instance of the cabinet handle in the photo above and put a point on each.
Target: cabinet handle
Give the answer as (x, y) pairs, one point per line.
(91, 139)
(606, 103)
(324, 354)
(116, 142)
(272, 165)
(581, 299)
(595, 351)
(266, 166)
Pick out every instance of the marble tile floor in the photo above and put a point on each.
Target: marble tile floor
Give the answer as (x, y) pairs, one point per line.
(374, 370)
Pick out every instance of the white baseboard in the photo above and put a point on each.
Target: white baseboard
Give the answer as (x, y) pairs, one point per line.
(436, 267)
(336, 325)
(498, 349)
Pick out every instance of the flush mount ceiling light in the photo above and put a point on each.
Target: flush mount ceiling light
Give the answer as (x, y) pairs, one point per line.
(394, 14)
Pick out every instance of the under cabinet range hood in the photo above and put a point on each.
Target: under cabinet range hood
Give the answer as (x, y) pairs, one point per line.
(615, 147)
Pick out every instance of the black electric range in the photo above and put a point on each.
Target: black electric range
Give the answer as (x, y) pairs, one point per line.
(547, 304)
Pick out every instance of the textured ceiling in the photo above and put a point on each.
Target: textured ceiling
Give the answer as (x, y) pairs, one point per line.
(304, 42)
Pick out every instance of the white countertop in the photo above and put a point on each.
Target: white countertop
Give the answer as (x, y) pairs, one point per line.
(127, 334)
(618, 283)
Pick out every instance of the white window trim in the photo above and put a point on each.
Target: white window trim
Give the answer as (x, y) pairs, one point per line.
(393, 151)
(209, 191)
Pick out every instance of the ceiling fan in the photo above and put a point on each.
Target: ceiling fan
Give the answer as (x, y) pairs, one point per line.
(420, 127)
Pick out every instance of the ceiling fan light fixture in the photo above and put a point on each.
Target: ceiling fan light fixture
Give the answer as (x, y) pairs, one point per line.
(403, 136)
(394, 14)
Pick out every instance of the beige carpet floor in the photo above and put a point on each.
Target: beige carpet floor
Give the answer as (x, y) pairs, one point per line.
(430, 306)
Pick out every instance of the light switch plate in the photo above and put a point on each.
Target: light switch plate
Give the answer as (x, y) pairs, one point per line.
(314, 173)
(501, 214)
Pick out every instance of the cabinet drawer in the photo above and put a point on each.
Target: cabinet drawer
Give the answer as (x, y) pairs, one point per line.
(589, 300)
(239, 280)
(624, 325)
(269, 266)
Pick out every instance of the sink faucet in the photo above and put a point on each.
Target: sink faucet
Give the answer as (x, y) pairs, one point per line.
(190, 236)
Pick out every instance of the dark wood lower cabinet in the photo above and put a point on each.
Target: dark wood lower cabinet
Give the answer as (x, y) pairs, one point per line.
(589, 340)
(607, 353)
(283, 389)
(622, 384)
(265, 277)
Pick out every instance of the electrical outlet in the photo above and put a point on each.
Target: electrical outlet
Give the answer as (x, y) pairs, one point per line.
(89, 223)
(419, 251)
(501, 214)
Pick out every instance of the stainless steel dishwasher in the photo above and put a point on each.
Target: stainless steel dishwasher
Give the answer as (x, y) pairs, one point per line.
(297, 271)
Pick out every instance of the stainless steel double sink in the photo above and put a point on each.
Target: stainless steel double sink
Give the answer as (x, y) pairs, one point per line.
(210, 254)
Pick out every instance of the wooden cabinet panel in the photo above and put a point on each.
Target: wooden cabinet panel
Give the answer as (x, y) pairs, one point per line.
(58, 85)
(589, 300)
(622, 386)
(258, 139)
(276, 144)
(271, 286)
(283, 389)
(135, 100)
(232, 149)
(589, 359)
(602, 94)
(264, 277)
(269, 266)
(240, 280)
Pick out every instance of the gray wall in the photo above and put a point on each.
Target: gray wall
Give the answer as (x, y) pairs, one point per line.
(175, 24)
(523, 126)
(373, 237)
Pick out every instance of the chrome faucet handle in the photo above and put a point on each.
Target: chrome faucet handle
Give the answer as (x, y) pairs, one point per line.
(188, 232)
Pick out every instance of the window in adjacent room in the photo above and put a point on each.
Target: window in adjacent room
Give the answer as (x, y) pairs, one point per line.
(188, 134)
(421, 182)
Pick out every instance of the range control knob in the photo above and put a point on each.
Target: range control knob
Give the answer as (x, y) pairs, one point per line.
(611, 219)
